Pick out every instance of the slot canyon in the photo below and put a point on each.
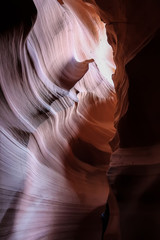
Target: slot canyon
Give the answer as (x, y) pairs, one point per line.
(79, 120)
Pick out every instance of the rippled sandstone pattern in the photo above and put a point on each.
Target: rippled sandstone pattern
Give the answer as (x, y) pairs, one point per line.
(59, 112)
(56, 90)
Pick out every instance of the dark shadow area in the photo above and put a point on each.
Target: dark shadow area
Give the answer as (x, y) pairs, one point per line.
(7, 222)
(14, 13)
(94, 221)
(87, 153)
(136, 189)
(140, 125)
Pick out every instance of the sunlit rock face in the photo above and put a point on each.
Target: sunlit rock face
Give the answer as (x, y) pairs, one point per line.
(57, 119)
(63, 113)
(133, 32)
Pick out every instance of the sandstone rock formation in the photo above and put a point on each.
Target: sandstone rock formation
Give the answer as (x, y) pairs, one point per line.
(79, 80)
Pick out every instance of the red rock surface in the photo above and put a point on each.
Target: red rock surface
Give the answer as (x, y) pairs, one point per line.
(63, 113)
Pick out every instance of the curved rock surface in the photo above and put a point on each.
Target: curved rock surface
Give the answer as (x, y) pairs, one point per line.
(79, 79)
(56, 90)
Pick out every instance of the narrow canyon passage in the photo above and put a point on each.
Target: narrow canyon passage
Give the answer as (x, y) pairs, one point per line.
(79, 120)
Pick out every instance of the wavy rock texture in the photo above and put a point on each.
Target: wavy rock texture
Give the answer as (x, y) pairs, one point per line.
(60, 110)
(133, 32)
(57, 119)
